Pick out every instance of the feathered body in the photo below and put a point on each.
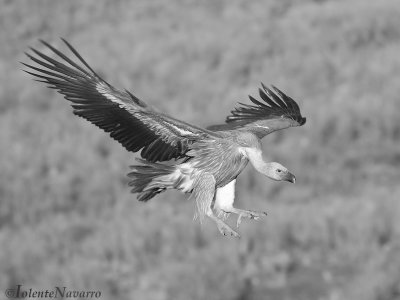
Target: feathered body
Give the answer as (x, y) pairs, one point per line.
(225, 165)
(207, 161)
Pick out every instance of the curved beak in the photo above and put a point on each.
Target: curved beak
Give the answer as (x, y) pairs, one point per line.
(290, 177)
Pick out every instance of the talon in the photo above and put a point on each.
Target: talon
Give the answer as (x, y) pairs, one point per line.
(239, 221)
(248, 214)
(226, 230)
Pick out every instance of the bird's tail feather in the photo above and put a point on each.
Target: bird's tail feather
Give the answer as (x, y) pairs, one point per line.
(150, 179)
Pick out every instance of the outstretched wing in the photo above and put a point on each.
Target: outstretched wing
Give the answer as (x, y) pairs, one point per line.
(276, 111)
(128, 120)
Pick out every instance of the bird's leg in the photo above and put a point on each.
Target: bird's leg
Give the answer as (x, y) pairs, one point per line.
(225, 196)
(203, 192)
(242, 213)
(222, 226)
(222, 215)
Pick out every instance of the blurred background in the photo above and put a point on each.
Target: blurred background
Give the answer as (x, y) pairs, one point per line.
(67, 217)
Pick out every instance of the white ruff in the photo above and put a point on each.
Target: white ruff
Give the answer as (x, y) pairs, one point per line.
(225, 196)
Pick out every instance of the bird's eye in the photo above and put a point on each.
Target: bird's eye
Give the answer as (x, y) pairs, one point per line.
(279, 170)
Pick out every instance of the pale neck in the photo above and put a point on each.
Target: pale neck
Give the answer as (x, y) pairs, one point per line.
(256, 159)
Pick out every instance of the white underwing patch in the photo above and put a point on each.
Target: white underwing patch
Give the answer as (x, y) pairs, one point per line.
(181, 130)
(102, 89)
(264, 127)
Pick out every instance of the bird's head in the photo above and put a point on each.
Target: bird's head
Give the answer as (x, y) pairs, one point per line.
(278, 172)
(272, 170)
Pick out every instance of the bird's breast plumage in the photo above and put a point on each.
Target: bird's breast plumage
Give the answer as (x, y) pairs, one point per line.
(222, 159)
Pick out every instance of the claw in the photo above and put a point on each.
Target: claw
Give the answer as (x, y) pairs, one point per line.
(248, 214)
(223, 215)
(239, 221)
(226, 230)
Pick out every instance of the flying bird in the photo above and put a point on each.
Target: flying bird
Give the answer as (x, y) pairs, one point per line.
(202, 162)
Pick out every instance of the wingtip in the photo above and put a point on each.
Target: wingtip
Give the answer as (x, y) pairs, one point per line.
(254, 100)
(25, 64)
(46, 44)
(275, 88)
(270, 89)
(65, 41)
(263, 85)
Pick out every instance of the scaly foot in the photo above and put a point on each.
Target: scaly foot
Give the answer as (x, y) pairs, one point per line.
(247, 214)
(222, 215)
(226, 230)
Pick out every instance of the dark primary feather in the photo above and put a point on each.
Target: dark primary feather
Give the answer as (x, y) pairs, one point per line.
(128, 120)
(275, 111)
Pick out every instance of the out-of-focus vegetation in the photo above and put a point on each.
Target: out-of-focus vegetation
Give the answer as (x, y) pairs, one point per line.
(66, 215)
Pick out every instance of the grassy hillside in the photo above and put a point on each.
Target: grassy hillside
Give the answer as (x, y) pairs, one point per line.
(66, 215)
